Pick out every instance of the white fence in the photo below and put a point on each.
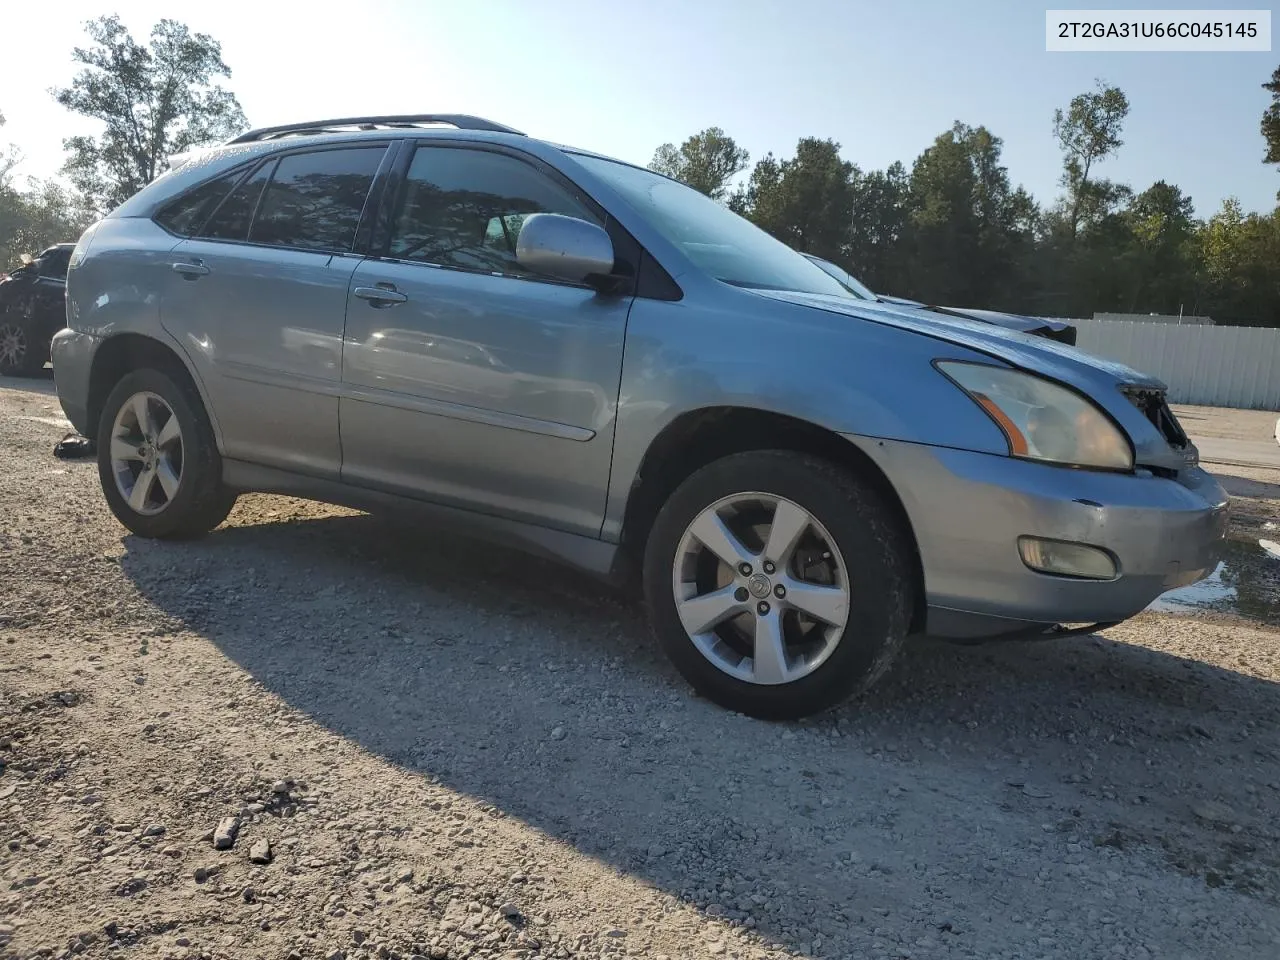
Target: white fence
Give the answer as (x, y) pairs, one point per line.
(1215, 366)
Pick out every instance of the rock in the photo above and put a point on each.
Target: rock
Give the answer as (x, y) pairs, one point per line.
(510, 911)
(336, 955)
(155, 830)
(280, 788)
(558, 733)
(182, 942)
(224, 837)
(248, 894)
(358, 937)
(260, 852)
(1214, 812)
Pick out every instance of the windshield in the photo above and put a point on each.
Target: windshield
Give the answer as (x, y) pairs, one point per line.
(844, 276)
(718, 241)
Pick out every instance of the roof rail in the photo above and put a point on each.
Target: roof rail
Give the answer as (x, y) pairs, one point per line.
(459, 120)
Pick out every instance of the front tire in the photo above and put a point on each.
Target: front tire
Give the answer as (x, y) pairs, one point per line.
(778, 584)
(157, 458)
(20, 353)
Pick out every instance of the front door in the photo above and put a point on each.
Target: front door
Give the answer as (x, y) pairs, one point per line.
(467, 380)
(257, 297)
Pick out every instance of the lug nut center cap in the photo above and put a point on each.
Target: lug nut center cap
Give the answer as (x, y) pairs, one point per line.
(759, 586)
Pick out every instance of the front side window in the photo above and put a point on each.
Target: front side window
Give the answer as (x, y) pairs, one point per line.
(464, 208)
(314, 200)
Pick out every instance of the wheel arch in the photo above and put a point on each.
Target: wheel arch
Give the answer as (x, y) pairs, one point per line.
(122, 353)
(699, 437)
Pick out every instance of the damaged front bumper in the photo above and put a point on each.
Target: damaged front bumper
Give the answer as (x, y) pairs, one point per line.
(968, 511)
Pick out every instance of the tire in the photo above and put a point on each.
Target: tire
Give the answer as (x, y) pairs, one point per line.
(197, 502)
(21, 355)
(815, 670)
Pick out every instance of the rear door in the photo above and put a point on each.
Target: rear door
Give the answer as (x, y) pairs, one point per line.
(467, 379)
(257, 297)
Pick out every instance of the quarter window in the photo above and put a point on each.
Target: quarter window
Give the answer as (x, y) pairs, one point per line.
(464, 208)
(314, 200)
(187, 214)
(231, 220)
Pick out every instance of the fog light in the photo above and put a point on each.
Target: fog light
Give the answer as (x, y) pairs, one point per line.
(1067, 559)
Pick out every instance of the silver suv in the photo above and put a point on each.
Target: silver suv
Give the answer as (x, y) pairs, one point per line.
(581, 356)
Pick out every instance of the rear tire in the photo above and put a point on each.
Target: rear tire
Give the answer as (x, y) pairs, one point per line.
(20, 353)
(157, 458)
(789, 646)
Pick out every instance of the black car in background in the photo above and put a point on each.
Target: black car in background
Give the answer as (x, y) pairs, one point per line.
(33, 307)
(1040, 326)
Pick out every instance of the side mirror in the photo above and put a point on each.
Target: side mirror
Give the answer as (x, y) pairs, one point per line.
(564, 247)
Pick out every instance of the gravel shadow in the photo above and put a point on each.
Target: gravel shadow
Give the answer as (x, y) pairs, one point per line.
(515, 681)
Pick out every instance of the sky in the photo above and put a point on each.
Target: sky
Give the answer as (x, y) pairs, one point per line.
(882, 79)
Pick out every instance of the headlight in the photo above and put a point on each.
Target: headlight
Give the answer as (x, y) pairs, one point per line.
(1041, 420)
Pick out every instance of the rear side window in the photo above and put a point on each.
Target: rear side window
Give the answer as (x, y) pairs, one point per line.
(314, 200)
(53, 263)
(231, 220)
(187, 214)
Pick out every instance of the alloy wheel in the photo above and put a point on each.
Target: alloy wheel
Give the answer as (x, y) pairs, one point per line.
(146, 453)
(13, 346)
(761, 588)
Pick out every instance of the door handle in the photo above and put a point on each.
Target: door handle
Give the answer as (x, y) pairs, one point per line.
(380, 296)
(190, 270)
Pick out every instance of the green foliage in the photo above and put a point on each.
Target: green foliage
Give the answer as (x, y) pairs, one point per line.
(1241, 266)
(1088, 132)
(154, 101)
(43, 214)
(33, 218)
(806, 201)
(955, 230)
(1271, 120)
(707, 161)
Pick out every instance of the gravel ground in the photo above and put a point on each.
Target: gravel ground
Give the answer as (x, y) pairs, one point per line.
(445, 750)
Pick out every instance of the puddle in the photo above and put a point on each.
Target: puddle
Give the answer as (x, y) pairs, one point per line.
(1245, 583)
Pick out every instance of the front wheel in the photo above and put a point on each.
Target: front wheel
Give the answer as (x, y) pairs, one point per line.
(21, 355)
(778, 584)
(158, 460)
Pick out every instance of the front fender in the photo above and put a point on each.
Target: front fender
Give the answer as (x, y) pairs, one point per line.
(839, 373)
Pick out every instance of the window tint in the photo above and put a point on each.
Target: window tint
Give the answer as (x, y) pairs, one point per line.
(188, 213)
(464, 208)
(53, 263)
(231, 220)
(314, 200)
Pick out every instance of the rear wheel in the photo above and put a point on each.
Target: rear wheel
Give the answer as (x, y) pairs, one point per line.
(21, 355)
(777, 583)
(157, 458)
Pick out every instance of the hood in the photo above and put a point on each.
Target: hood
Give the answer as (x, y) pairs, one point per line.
(1106, 382)
(1054, 329)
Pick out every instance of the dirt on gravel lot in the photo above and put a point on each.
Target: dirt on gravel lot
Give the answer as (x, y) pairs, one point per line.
(452, 751)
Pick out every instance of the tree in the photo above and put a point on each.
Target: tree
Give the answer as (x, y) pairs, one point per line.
(877, 226)
(155, 101)
(1241, 265)
(1271, 121)
(1087, 133)
(707, 161)
(969, 229)
(40, 216)
(9, 158)
(806, 201)
(1161, 264)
